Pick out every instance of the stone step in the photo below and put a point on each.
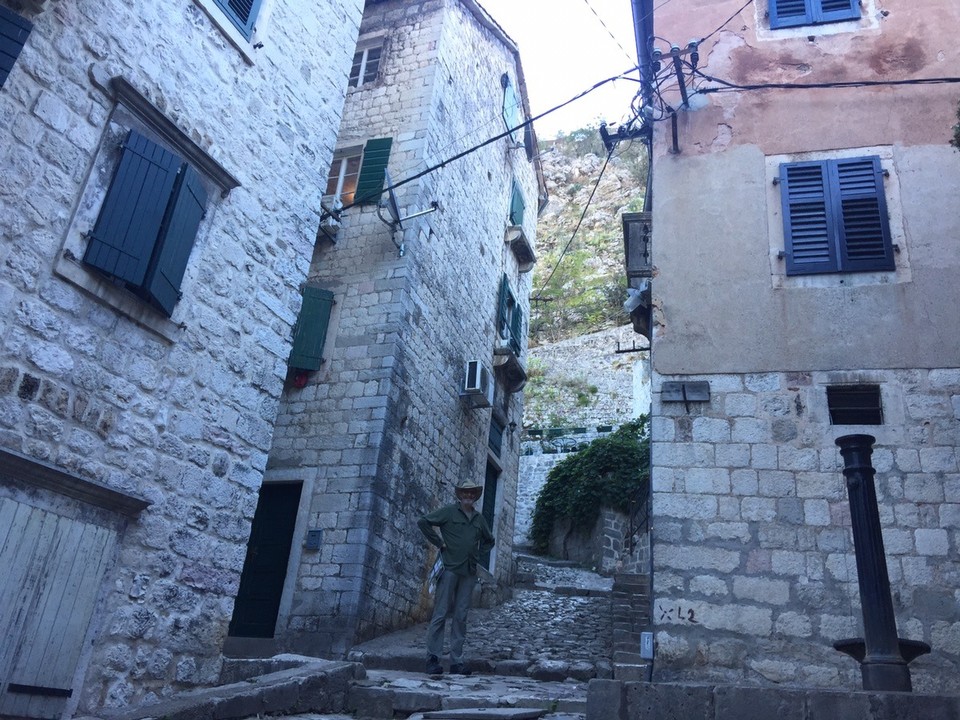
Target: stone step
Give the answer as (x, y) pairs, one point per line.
(392, 694)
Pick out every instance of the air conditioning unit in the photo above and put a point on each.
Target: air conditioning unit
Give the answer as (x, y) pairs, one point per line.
(478, 384)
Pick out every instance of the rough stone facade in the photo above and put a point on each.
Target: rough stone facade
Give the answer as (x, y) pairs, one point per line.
(755, 575)
(379, 434)
(123, 402)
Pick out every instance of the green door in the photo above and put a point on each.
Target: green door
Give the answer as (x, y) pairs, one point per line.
(265, 568)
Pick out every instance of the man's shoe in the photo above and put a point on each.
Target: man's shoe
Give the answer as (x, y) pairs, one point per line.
(459, 669)
(433, 666)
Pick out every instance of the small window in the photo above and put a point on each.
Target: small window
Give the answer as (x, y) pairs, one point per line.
(835, 217)
(13, 35)
(366, 66)
(516, 205)
(358, 176)
(148, 222)
(855, 405)
(512, 111)
(242, 13)
(796, 13)
(509, 318)
(310, 332)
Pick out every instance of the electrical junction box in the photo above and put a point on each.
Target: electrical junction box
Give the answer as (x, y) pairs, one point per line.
(646, 645)
(314, 540)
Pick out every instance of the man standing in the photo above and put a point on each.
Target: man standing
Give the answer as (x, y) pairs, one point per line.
(464, 536)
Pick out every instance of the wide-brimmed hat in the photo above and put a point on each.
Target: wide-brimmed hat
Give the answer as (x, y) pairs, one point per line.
(469, 484)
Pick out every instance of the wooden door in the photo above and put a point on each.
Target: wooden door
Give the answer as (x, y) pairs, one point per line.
(51, 568)
(265, 567)
(489, 503)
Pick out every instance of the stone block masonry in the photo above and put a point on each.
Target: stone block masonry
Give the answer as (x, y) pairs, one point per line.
(93, 381)
(754, 570)
(380, 435)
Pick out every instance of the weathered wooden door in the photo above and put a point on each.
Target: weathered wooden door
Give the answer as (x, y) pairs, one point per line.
(265, 567)
(51, 568)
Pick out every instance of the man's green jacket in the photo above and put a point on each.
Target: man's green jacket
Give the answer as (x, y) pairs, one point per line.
(465, 537)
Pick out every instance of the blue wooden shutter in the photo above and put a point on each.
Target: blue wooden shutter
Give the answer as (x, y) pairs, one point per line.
(789, 13)
(186, 211)
(808, 225)
(516, 206)
(376, 154)
(242, 13)
(827, 11)
(311, 329)
(864, 233)
(13, 35)
(123, 240)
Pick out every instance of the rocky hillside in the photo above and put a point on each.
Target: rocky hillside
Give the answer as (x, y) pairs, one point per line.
(583, 291)
(576, 376)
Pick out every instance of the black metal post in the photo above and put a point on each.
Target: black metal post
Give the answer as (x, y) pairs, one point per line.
(880, 653)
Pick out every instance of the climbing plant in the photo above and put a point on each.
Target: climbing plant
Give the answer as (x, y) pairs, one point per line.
(610, 472)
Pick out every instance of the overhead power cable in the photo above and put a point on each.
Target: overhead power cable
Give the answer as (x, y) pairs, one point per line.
(587, 2)
(730, 86)
(725, 23)
(577, 228)
(493, 139)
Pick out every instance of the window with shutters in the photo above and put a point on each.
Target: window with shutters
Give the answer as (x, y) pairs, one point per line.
(357, 175)
(509, 319)
(13, 35)
(366, 65)
(242, 13)
(796, 13)
(835, 216)
(148, 222)
(147, 199)
(516, 205)
(310, 332)
(512, 111)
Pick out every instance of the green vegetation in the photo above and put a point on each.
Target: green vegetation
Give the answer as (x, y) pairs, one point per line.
(610, 472)
(586, 291)
(543, 393)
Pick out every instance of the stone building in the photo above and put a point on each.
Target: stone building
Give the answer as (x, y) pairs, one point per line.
(163, 168)
(410, 351)
(803, 289)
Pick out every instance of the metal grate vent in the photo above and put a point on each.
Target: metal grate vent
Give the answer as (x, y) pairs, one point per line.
(855, 405)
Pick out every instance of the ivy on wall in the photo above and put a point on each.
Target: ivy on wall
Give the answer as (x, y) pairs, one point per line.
(610, 472)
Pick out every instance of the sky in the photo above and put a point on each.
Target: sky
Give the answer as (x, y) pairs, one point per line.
(565, 49)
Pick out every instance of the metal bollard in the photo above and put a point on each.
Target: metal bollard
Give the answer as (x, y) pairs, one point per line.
(883, 657)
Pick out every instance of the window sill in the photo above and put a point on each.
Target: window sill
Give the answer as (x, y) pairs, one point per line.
(522, 249)
(72, 270)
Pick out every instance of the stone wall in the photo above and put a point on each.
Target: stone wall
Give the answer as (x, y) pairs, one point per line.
(380, 434)
(179, 412)
(755, 575)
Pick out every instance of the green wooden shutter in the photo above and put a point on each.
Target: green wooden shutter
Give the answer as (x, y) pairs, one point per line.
(502, 308)
(186, 211)
(808, 222)
(864, 233)
(376, 154)
(125, 234)
(311, 329)
(13, 35)
(516, 329)
(516, 206)
(512, 113)
(242, 13)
